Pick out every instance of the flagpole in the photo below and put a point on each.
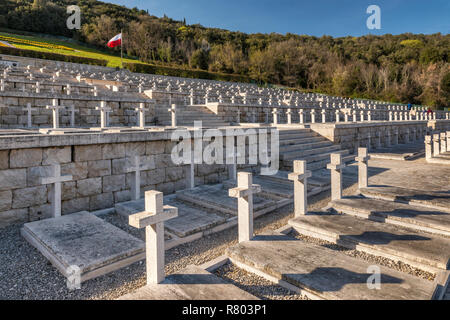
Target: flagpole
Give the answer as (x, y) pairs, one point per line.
(121, 49)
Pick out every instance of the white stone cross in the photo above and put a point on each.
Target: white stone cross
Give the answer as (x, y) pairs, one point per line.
(72, 111)
(141, 110)
(300, 177)
(428, 147)
(173, 111)
(244, 193)
(38, 87)
(152, 219)
(313, 116)
(289, 116)
(56, 180)
(2, 85)
(336, 167)
(55, 111)
(436, 146)
(104, 112)
(443, 142)
(275, 116)
(301, 116)
(363, 161)
(28, 110)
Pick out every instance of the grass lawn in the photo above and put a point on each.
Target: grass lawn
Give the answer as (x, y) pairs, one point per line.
(61, 47)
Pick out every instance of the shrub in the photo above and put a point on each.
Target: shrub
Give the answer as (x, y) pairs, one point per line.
(51, 56)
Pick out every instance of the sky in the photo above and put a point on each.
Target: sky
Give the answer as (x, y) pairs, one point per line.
(336, 18)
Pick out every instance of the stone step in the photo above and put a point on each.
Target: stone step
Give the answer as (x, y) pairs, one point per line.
(434, 200)
(276, 189)
(300, 135)
(191, 219)
(215, 197)
(324, 273)
(282, 177)
(424, 251)
(400, 214)
(301, 153)
(320, 161)
(294, 131)
(305, 146)
(301, 141)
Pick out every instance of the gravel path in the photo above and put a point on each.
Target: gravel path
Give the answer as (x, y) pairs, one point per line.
(26, 274)
(396, 265)
(256, 285)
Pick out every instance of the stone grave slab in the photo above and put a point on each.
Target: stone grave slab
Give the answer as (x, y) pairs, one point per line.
(412, 247)
(325, 273)
(215, 197)
(86, 241)
(190, 219)
(406, 215)
(191, 283)
(399, 152)
(430, 199)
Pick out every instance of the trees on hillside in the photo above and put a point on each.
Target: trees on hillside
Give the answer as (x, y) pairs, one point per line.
(401, 68)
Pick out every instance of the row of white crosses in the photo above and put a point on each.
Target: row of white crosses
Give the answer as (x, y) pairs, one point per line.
(437, 144)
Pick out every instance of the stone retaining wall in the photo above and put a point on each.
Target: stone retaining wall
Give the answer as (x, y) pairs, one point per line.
(97, 163)
(12, 114)
(353, 135)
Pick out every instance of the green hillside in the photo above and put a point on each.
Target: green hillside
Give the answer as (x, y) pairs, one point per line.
(59, 46)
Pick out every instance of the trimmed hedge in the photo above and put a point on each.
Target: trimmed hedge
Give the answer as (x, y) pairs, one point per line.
(184, 73)
(51, 56)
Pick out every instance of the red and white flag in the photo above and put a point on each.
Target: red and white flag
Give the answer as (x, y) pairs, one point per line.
(116, 41)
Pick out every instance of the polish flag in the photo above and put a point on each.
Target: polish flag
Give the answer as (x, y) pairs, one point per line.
(116, 41)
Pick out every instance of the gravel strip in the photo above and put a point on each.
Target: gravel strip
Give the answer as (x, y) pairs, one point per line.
(395, 265)
(256, 285)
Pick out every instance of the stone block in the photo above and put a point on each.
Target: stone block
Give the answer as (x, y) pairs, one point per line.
(13, 217)
(122, 196)
(174, 174)
(88, 153)
(114, 183)
(4, 159)
(57, 155)
(156, 176)
(75, 205)
(163, 161)
(101, 201)
(24, 158)
(27, 197)
(13, 179)
(68, 190)
(89, 187)
(166, 188)
(99, 168)
(40, 212)
(135, 148)
(79, 170)
(35, 174)
(113, 151)
(5, 200)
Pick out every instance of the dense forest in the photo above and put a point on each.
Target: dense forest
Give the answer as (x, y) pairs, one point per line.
(401, 68)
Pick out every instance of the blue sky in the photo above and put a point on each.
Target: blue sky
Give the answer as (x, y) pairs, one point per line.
(314, 17)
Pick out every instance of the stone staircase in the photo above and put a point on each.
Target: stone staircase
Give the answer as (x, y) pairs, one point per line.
(409, 227)
(305, 144)
(186, 115)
